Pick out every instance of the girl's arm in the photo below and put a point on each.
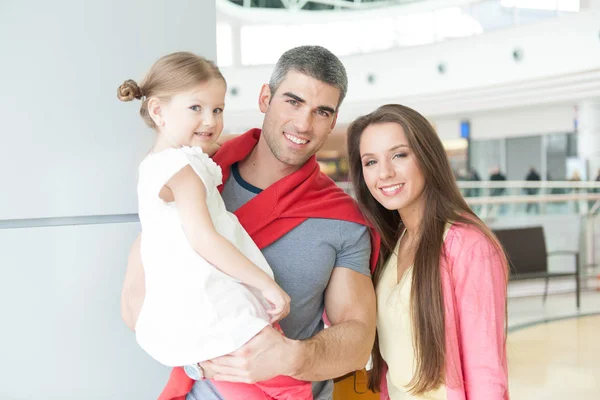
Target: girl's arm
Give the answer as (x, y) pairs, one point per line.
(189, 193)
(480, 277)
(213, 148)
(134, 287)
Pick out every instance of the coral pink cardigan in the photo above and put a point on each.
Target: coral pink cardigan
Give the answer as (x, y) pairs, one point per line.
(474, 278)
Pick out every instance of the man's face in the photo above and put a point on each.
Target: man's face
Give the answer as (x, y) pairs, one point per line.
(298, 117)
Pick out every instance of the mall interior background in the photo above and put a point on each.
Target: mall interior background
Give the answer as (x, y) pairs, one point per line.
(508, 84)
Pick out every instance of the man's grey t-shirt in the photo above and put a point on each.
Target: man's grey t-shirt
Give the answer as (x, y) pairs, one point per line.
(302, 262)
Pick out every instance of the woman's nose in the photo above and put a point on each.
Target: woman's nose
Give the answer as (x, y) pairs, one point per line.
(385, 170)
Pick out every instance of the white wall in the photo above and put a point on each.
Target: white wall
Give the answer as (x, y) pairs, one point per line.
(523, 122)
(551, 47)
(69, 147)
(561, 66)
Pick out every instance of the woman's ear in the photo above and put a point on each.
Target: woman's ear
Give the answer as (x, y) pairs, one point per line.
(155, 111)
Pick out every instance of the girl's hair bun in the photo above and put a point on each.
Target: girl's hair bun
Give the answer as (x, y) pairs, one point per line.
(129, 90)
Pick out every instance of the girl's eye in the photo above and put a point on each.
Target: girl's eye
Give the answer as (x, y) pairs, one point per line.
(218, 110)
(195, 108)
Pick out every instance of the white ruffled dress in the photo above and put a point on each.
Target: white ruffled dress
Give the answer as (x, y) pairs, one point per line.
(192, 311)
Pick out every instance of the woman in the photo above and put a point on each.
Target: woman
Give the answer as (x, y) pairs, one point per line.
(442, 277)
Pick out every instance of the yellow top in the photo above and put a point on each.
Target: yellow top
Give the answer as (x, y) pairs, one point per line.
(394, 326)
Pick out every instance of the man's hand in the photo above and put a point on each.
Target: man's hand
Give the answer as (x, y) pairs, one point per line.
(346, 345)
(335, 351)
(265, 356)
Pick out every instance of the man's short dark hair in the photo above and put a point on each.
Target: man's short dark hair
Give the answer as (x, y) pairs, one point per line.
(314, 61)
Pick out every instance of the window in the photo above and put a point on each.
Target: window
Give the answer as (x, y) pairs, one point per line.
(224, 48)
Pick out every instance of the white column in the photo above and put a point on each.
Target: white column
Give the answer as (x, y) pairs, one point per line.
(69, 148)
(588, 137)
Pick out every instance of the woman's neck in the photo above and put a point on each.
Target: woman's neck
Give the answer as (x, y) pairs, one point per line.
(412, 216)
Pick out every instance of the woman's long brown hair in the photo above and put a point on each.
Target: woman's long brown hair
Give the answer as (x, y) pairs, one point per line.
(444, 203)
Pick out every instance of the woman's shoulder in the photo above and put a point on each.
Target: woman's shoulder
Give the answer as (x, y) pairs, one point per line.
(464, 232)
(467, 237)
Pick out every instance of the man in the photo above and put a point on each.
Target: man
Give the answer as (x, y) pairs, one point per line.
(474, 192)
(496, 175)
(532, 176)
(322, 263)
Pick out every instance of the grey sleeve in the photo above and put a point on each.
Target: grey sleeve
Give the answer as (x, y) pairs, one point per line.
(354, 251)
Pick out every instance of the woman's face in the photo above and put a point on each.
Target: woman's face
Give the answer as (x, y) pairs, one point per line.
(390, 168)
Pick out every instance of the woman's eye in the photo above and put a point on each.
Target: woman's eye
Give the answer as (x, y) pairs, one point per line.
(399, 155)
(369, 163)
(195, 108)
(218, 110)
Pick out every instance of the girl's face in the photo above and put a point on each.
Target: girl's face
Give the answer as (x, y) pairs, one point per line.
(390, 168)
(194, 118)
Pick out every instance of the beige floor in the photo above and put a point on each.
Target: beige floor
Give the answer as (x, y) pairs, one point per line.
(557, 359)
(524, 310)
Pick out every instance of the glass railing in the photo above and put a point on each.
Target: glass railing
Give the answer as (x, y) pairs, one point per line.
(496, 198)
(490, 199)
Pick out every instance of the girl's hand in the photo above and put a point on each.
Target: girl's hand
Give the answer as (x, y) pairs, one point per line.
(279, 300)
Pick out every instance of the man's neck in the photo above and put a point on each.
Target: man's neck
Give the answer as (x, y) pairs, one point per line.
(261, 168)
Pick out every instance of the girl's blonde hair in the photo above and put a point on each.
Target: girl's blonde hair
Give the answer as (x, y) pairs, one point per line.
(171, 74)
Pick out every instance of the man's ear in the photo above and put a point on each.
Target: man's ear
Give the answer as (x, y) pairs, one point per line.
(264, 98)
(155, 111)
(335, 117)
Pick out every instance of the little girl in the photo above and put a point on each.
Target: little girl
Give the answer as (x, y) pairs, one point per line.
(209, 289)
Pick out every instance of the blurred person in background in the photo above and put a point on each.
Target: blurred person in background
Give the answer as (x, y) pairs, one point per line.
(497, 176)
(532, 176)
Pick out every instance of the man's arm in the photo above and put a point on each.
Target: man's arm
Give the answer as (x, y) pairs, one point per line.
(342, 348)
(134, 287)
(345, 346)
